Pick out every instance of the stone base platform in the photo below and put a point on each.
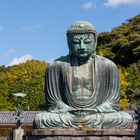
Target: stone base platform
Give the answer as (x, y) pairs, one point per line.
(81, 134)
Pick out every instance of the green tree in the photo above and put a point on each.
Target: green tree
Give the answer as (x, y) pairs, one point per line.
(133, 90)
(123, 87)
(25, 78)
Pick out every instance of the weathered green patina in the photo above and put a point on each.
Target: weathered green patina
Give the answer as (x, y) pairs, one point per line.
(82, 88)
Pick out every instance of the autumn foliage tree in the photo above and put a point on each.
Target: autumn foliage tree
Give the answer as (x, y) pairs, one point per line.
(24, 78)
(121, 45)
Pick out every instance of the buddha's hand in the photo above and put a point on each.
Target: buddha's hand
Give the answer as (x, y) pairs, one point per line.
(83, 111)
(94, 110)
(63, 108)
(106, 107)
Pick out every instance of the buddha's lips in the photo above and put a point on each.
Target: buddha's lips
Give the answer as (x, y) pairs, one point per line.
(82, 51)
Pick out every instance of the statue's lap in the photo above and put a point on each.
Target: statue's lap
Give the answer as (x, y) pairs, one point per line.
(99, 120)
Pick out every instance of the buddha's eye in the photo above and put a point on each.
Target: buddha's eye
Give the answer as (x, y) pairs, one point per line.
(74, 42)
(86, 41)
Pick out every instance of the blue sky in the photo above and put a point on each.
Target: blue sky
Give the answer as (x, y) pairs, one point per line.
(36, 29)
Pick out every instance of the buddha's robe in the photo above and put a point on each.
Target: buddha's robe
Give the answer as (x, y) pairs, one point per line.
(89, 99)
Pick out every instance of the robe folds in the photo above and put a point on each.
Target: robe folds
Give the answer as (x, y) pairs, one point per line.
(66, 109)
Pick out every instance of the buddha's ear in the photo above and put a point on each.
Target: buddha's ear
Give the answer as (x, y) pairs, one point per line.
(69, 44)
(68, 40)
(70, 53)
(96, 39)
(95, 44)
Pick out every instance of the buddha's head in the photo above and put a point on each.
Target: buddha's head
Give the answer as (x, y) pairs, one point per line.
(82, 40)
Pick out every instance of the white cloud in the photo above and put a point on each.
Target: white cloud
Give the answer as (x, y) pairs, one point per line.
(115, 3)
(21, 59)
(89, 5)
(30, 28)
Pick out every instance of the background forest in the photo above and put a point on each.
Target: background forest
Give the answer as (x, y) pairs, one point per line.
(121, 45)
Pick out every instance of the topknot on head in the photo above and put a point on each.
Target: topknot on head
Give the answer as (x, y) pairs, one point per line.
(81, 27)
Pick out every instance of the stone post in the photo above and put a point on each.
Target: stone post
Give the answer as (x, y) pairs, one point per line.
(137, 118)
(18, 133)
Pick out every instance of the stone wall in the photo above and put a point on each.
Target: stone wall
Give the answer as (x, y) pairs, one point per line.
(81, 134)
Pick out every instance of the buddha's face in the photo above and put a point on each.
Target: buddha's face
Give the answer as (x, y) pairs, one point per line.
(81, 45)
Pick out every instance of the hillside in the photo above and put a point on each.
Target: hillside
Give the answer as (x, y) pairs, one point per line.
(121, 45)
(24, 78)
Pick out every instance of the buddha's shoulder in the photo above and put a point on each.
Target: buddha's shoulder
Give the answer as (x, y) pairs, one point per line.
(60, 61)
(105, 61)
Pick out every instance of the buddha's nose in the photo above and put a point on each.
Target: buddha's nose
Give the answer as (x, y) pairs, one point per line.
(82, 45)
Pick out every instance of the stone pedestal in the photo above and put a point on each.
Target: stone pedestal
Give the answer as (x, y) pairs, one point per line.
(137, 134)
(18, 133)
(81, 134)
